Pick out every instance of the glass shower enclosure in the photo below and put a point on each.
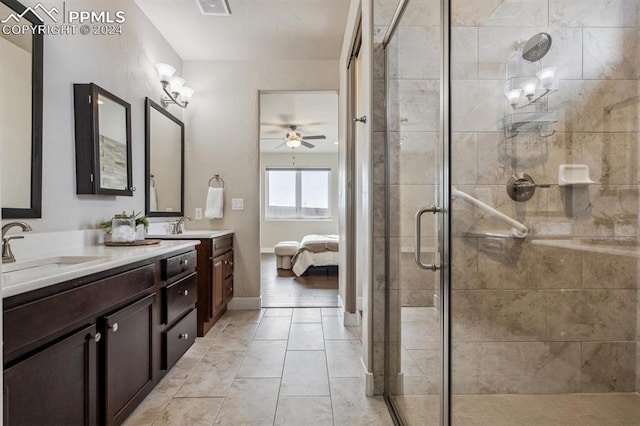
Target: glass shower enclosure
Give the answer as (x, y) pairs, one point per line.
(511, 212)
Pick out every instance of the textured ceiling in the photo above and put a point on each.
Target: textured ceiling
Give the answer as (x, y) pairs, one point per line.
(256, 29)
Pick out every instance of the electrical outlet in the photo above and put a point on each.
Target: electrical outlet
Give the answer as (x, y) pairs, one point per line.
(237, 204)
(198, 213)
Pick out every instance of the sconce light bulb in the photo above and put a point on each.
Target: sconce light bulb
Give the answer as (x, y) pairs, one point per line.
(529, 88)
(186, 93)
(176, 84)
(165, 72)
(547, 77)
(514, 96)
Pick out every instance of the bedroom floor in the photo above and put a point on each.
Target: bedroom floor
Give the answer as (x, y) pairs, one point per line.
(282, 289)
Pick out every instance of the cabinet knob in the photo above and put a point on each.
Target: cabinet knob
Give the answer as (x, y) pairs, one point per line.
(184, 262)
(183, 336)
(184, 292)
(230, 263)
(97, 337)
(114, 327)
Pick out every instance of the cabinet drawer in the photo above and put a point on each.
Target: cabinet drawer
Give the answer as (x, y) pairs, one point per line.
(222, 245)
(177, 265)
(228, 263)
(178, 339)
(178, 298)
(26, 326)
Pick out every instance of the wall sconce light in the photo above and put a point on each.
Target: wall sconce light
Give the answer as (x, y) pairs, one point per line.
(514, 96)
(176, 92)
(529, 88)
(547, 77)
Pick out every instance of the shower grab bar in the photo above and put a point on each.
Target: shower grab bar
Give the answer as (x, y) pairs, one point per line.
(518, 229)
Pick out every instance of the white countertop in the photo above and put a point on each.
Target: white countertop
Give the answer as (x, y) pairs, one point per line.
(205, 233)
(604, 246)
(100, 258)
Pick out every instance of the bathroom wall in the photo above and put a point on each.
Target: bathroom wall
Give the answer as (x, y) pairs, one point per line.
(274, 231)
(122, 64)
(527, 318)
(222, 137)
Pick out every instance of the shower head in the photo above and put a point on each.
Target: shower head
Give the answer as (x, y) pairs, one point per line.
(536, 47)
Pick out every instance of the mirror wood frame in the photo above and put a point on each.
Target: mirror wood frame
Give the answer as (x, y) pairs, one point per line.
(37, 63)
(149, 105)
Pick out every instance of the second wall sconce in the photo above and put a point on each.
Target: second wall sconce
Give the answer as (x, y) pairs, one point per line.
(176, 92)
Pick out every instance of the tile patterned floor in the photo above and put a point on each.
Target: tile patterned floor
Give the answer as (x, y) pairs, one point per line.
(281, 288)
(270, 367)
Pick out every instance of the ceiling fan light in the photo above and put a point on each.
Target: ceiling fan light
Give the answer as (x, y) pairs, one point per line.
(293, 143)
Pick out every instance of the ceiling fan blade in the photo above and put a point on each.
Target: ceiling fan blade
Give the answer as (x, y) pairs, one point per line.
(280, 125)
(271, 139)
(314, 137)
(307, 144)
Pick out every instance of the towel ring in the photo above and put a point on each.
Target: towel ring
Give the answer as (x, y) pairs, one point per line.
(153, 182)
(218, 179)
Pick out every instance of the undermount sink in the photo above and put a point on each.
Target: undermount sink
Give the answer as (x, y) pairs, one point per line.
(48, 264)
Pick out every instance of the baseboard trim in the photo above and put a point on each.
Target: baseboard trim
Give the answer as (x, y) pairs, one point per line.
(347, 317)
(245, 304)
(367, 379)
(267, 250)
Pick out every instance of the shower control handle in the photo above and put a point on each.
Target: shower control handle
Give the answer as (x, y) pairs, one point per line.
(418, 245)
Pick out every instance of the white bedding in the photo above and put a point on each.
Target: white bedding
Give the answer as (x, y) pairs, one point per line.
(310, 254)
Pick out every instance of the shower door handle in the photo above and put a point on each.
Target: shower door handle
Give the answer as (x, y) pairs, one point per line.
(418, 245)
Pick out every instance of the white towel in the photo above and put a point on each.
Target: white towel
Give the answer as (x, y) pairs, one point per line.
(215, 200)
(153, 199)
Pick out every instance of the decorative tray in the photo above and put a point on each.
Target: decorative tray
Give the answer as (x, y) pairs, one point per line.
(135, 243)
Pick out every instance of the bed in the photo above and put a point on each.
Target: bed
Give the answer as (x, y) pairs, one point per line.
(316, 252)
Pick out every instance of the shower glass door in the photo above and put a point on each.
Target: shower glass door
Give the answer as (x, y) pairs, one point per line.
(544, 301)
(414, 178)
(535, 317)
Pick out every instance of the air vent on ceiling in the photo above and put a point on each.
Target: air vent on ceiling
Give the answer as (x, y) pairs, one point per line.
(214, 7)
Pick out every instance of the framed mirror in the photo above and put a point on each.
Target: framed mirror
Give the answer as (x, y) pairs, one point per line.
(21, 115)
(103, 142)
(164, 140)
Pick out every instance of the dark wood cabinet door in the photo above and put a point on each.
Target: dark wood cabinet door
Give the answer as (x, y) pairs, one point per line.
(228, 289)
(217, 282)
(128, 358)
(56, 386)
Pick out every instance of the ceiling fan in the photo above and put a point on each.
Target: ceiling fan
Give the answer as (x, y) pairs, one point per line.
(294, 139)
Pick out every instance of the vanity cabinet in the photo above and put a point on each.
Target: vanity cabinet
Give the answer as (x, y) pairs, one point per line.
(88, 351)
(214, 278)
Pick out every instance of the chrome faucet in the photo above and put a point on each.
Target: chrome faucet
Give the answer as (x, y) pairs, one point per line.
(7, 254)
(180, 223)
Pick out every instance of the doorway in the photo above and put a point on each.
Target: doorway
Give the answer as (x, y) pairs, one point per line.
(299, 199)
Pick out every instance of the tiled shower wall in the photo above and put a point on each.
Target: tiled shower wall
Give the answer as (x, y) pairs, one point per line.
(527, 318)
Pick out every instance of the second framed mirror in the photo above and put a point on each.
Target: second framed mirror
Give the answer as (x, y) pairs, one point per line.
(164, 165)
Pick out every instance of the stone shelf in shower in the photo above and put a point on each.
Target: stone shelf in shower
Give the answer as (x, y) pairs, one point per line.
(529, 121)
(620, 247)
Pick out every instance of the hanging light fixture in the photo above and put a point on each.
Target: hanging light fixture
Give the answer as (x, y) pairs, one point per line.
(293, 139)
(173, 86)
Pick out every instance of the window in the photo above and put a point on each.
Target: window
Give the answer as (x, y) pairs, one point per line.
(297, 193)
